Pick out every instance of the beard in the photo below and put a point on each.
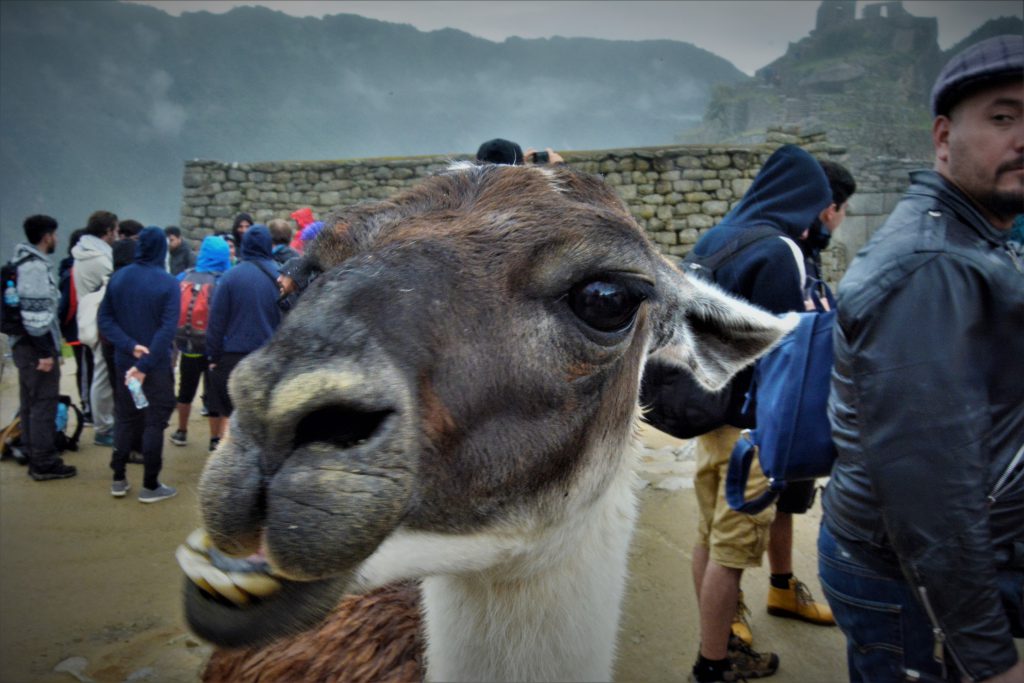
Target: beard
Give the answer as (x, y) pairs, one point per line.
(1005, 204)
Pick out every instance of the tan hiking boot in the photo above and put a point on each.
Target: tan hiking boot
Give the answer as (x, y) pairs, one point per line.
(796, 602)
(750, 664)
(740, 625)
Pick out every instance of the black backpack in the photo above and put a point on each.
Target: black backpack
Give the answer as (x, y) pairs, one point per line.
(675, 402)
(10, 313)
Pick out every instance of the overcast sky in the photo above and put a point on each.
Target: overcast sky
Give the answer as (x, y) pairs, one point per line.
(749, 34)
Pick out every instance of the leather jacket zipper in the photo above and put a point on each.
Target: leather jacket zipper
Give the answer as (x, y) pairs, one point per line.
(1009, 477)
(940, 636)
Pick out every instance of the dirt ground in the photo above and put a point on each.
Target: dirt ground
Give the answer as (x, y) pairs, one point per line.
(89, 582)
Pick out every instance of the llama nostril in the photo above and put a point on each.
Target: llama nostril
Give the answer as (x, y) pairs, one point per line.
(338, 425)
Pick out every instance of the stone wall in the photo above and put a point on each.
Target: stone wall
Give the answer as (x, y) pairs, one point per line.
(676, 193)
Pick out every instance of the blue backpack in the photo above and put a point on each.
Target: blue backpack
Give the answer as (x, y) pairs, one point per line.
(793, 437)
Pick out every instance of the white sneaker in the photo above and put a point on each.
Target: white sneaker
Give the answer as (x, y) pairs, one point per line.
(120, 488)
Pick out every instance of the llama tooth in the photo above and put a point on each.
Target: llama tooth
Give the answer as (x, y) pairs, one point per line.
(258, 584)
(199, 540)
(190, 564)
(223, 585)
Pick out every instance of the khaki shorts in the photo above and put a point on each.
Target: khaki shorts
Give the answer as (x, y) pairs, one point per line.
(734, 539)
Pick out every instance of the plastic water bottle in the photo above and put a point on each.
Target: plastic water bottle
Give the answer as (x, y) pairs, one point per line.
(135, 387)
(11, 297)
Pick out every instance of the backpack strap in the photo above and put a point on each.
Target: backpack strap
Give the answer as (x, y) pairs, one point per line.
(715, 260)
(736, 479)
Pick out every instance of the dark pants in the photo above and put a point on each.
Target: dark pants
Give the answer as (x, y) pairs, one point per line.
(133, 426)
(38, 392)
(887, 631)
(220, 401)
(190, 370)
(83, 374)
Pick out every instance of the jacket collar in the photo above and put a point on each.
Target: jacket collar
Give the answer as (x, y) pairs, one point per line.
(934, 184)
(24, 249)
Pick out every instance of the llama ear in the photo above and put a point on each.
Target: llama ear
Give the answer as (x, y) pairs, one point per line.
(710, 333)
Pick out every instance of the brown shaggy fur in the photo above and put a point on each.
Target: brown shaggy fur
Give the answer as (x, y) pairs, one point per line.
(372, 638)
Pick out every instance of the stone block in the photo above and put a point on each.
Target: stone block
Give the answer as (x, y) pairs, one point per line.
(673, 198)
(218, 211)
(608, 166)
(699, 221)
(715, 208)
(194, 178)
(710, 184)
(664, 212)
(688, 162)
(663, 187)
(647, 211)
(331, 199)
(655, 225)
(230, 197)
(613, 179)
(236, 175)
(689, 236)
(866, 203)
(685, 185)
(685, 208)
(664, 237)
(627, 192)
(697, 197)
(717, 161)
(268, 197)
(252, 194)
(725, 194)
(696, 174)
(741, 185)
(679, 249)
(671, 175)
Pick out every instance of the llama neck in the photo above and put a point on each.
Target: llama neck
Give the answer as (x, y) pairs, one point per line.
(552, 616)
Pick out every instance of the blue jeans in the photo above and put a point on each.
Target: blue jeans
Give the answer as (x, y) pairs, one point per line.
(888, 635)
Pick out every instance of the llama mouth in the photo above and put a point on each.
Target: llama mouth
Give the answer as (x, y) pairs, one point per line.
(236, 581)
(238, 602)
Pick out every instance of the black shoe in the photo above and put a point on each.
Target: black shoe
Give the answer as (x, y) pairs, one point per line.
(214, 442)
(60, 471)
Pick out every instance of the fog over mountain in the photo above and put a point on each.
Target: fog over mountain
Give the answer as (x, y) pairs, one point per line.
(101, 102)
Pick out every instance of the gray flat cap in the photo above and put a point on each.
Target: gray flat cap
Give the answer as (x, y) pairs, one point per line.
(990, 61)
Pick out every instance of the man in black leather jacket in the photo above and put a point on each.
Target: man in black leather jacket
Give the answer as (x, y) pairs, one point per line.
(922, 545)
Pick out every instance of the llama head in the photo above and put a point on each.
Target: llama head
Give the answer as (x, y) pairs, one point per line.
(467, 364)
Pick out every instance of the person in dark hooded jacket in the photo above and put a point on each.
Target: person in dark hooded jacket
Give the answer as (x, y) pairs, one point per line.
(783, 201)
(243, 315)
(139, 315)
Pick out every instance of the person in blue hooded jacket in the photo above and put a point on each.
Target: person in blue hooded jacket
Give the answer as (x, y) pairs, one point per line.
(213, 261)
(139, 315)
(244, 313)
(785, 198)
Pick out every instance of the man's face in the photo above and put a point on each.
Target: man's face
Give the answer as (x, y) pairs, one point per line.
(980, 147)
(49, 243)
(111, 235)
(832, 217)
(173, 242)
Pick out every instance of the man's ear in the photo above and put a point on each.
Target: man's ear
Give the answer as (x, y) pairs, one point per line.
(940, 138)
(710, 333)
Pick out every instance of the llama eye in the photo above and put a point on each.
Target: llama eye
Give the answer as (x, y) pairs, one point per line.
(606, 305)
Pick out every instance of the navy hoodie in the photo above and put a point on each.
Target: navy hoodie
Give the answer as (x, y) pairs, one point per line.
(788, 194)
(244, 312)
(141, 306)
